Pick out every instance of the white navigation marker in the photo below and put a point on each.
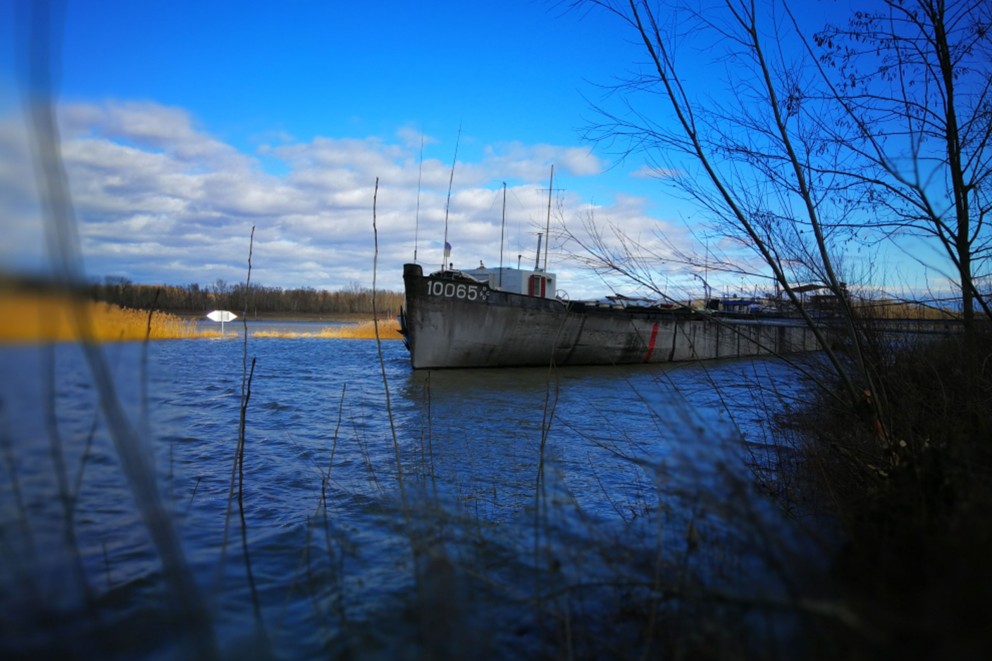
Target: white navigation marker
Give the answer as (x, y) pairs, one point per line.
(221, 316)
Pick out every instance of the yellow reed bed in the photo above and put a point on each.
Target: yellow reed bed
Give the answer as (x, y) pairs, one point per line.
(45, 317)
(388, 330)
(31, 317)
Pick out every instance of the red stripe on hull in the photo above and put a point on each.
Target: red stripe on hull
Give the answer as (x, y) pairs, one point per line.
(654, 337)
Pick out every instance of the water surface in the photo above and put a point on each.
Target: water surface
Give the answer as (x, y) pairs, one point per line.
(532, 511)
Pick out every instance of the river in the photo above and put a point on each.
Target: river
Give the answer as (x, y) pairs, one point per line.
(387, 513)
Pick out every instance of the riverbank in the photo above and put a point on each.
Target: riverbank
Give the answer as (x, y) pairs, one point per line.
(33, 317)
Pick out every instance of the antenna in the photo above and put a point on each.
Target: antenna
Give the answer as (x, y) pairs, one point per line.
(420, 175)
(447, 204)
(502, 229)
(551, 183)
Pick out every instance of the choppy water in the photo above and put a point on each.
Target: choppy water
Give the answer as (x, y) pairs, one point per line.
(532, 513)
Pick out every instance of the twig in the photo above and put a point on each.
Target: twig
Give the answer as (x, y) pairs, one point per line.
(540, 497)
(241, 507)
(382, 362)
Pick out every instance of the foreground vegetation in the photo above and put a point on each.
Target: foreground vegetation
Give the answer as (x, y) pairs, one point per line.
(871, 131)
(909, 492)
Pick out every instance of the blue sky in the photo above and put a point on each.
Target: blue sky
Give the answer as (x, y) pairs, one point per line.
(186, 123)
(345, 68)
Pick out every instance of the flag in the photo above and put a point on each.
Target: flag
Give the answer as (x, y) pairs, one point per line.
(447, 250)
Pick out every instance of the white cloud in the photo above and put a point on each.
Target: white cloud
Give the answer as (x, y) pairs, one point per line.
(22, 242)
(159, 200)
(148, 126)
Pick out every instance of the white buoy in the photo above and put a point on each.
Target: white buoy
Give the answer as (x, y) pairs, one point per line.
(222, 316)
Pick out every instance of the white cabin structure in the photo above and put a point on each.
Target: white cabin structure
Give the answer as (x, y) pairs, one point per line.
(530, 283)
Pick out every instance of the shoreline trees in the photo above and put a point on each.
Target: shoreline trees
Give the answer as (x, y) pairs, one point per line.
(198, 299)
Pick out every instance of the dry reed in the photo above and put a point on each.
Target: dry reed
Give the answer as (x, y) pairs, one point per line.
(388, 330)
(48, 317)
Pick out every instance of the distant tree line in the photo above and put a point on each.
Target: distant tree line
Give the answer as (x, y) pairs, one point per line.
(238, 298)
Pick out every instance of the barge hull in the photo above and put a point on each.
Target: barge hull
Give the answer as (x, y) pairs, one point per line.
(452, 321)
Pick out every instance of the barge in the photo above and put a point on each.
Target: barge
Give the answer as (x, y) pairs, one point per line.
(511, 317)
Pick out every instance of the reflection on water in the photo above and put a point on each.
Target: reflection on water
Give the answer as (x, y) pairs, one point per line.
(522, 496)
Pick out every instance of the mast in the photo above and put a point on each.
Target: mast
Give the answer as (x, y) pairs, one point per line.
(420, 175)
(447, 204)
(551, 184)
(502, 231)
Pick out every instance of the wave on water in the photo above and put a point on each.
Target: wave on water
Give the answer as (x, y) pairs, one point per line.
(529, 511)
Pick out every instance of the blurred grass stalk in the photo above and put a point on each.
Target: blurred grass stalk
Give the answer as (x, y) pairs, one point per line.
(38, 44)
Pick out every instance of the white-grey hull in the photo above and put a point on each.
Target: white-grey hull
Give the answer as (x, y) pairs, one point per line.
(452, 322)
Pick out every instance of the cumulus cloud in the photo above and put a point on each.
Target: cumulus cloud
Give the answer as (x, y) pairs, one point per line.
(160, 200)
(149, 126)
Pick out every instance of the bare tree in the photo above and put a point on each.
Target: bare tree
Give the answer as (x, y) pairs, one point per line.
(753, 158)
(915, 82)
